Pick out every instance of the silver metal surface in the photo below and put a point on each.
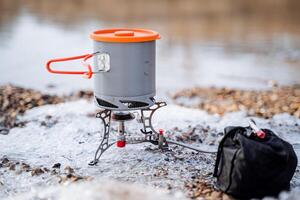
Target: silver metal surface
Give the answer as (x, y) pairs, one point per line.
(147, 114)
(121, 131)
(121, 106)
(127, 74)
(253, 125)
(105, 116)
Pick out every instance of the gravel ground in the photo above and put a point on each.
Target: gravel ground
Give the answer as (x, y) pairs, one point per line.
(57, 141)
(266, 103)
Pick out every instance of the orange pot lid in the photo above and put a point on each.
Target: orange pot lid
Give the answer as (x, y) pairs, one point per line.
(124, 35)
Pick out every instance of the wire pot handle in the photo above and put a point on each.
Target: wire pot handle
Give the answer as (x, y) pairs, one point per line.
(87, 74)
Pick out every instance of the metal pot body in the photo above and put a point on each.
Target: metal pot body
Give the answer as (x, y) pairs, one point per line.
(124, 75)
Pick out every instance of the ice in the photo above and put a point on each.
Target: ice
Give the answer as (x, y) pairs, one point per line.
(67, 134)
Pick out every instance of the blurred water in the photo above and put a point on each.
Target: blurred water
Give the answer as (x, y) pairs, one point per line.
(220, 43)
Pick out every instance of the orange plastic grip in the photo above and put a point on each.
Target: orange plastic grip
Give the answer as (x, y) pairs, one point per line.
(87, 74)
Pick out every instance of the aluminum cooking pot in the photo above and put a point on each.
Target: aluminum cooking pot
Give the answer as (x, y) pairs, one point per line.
(123, 70)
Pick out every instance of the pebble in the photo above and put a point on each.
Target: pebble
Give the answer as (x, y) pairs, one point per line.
(69, 170)
(216, 195)
(4, 131)
(200, 134)
(4, 161)
(46, 169)
(56, 165)
(54, 172)
(225, 197)
(12, 167)
(37, 171)
(73, 178)
(206, 191)
(199, 189)
(25, 167)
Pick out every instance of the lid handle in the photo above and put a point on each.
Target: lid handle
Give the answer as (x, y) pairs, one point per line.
(124, 33)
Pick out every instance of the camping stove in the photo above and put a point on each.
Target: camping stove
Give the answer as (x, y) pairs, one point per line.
(124, 80)
(144, 116)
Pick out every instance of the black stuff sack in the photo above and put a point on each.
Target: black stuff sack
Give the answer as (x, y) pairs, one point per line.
(251, 167)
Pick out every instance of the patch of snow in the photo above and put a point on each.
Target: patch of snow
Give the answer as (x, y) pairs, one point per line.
(66, 133)
(109, 190)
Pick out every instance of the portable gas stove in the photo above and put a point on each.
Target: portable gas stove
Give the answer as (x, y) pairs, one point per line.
(145, 117)
(124, 81)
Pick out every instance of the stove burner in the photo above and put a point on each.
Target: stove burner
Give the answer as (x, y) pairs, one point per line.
(122, 116)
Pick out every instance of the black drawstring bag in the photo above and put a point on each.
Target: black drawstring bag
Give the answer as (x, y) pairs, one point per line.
(250, 167)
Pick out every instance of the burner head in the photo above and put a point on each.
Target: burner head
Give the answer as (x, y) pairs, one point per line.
(122, 116)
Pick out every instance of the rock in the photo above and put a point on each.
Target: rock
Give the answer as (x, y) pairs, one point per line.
(200, 189)
(72, 178)
(56, 166)
(54, 172)
(25, 167)
(12, 167)
(206, 191)
(37, 172)
(46, 169)
(48, 117)
(196, 194)
(216, 195)
(69, 170)
(4, 131)
(4, 161)
(225, 197)
(75, 178)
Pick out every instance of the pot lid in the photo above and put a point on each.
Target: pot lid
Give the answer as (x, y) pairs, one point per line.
(124, 35)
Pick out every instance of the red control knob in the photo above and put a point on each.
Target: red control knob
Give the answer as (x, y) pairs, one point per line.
(161, 131)
(121, 143)
(261, 134)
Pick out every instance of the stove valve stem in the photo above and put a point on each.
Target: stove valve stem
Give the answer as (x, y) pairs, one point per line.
(161, 138)
(121, 141)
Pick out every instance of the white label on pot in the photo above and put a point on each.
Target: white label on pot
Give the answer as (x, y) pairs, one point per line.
(103, 62)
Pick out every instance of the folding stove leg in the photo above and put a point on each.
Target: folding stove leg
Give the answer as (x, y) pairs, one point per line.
(151, 135)
(105, 116)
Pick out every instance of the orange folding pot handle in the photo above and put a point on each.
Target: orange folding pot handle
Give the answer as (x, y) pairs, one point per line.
(87, 74)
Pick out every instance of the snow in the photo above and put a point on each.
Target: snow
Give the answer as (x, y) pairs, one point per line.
(70, 137)
(109, 190)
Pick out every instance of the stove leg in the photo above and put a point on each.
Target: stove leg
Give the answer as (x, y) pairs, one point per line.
(150, 133)
(105, 116)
